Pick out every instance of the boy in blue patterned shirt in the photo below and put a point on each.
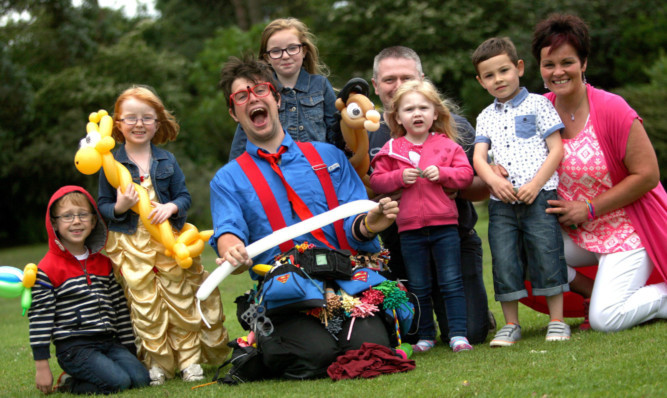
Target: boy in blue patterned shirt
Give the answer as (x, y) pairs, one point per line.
(523, 130)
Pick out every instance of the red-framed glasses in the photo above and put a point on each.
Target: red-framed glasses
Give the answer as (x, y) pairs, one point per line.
(260, 90)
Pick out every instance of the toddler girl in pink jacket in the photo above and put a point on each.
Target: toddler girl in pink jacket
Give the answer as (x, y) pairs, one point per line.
(424, 162)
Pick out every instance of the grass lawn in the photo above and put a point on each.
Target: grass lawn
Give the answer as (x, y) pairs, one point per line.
(625, 364)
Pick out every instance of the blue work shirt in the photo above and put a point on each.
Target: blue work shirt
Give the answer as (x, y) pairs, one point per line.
(169, 184)
(306, 112)
(236, 208)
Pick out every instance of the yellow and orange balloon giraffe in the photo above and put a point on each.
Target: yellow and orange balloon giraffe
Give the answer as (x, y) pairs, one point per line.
(95, 153)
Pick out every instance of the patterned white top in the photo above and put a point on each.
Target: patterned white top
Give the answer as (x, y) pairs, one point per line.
(516, 132)
(584, 175)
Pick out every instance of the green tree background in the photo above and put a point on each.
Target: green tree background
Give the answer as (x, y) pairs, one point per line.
(64, 62)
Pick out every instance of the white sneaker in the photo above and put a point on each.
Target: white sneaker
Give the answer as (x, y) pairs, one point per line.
(157, 376)
(193, 372)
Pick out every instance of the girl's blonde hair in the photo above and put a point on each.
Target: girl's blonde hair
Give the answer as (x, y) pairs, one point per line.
(167, 129)
(311, 62)
(444, 124)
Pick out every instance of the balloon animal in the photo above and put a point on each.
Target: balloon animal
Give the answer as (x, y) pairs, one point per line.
(358, 115)
(95, 153)
(14, 283)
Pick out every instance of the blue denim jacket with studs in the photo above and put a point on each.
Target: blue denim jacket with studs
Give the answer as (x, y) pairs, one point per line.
(169, 184)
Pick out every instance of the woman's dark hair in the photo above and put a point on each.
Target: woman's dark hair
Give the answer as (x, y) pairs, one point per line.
(560, 29)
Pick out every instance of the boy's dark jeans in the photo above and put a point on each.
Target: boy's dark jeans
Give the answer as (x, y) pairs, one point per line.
(102, 367)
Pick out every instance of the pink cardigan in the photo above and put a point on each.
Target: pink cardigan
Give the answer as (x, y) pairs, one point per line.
(423, 203)
(612, 117)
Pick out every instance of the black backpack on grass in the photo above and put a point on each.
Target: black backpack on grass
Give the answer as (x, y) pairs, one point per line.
(247, 366)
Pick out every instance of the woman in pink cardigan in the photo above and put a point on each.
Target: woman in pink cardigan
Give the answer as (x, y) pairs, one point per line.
(612, 206)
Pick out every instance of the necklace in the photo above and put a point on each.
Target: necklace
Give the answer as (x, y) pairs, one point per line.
(143, 174)
(581, 101)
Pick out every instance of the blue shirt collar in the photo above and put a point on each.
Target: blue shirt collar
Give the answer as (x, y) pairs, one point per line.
(287, 141)
(516, 101)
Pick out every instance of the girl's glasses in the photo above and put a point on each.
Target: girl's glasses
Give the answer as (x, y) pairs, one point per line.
(292, 49)
(132, 120)
(260, 90)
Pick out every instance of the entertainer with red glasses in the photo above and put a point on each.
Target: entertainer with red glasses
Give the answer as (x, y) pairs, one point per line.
(276, 171)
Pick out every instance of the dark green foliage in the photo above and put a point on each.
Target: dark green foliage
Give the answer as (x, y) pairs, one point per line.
(209, 122)
(65, 62)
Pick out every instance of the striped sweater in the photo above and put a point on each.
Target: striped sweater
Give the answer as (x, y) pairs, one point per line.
(75, 299)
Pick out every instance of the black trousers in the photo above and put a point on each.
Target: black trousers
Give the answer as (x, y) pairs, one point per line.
(301, 348)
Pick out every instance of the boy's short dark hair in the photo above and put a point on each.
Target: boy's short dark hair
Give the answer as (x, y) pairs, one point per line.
(247, 67)
(493, 47)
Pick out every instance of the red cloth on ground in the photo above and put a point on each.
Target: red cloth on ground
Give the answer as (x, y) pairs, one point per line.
(369, 361)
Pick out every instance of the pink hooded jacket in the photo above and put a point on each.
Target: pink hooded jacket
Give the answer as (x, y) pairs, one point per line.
(423, 203)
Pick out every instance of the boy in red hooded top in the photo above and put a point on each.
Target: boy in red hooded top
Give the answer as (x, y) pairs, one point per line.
(78, 305)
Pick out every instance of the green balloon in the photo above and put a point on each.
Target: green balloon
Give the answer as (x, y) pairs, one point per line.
(26, 299)
(11, 289)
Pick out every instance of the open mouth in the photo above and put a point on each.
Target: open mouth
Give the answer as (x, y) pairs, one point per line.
(258, 116)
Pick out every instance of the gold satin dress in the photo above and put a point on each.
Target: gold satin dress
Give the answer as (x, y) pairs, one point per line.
(161, 296)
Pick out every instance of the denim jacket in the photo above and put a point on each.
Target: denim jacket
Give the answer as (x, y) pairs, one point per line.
(169, 183)
(306, 112)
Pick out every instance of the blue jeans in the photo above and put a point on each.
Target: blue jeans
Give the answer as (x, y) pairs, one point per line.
(525, 239)
(102, 367)
(443, 243)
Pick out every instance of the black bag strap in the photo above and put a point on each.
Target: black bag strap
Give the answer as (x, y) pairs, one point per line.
(217, 372)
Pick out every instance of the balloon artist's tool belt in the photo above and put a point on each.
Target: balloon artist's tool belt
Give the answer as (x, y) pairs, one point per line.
(287, 288)
(320, 263)
(255, 317)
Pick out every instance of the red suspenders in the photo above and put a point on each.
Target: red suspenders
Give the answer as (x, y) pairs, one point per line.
(269, 203)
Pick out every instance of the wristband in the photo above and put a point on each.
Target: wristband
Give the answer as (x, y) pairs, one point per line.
(356, 229)
(367, 227)
(591, 209)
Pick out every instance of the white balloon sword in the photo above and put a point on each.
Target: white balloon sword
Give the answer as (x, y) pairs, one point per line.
(283, 235)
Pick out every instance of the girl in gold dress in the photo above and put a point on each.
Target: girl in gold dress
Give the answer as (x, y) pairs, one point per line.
(161, 294)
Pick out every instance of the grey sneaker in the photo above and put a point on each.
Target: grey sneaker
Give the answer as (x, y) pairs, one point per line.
(507, 336)
(558, 331)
